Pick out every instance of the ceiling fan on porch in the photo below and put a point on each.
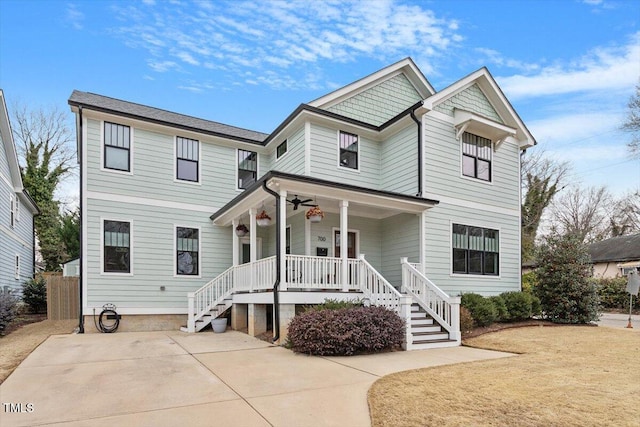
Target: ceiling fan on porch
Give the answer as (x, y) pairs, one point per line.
(297, 202)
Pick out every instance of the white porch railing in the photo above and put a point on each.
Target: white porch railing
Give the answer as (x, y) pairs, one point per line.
(256, 276)
(207, 297)
(312, 272)
(442, 307)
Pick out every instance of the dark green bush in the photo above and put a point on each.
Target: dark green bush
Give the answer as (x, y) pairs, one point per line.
(529, 282)
(466, 320)
(7, 310)
(613, 293)
(335, 304)
(34, 294)
(501, 308)
(482, 309)
(565, 291)
(346, 331)
(518, 305)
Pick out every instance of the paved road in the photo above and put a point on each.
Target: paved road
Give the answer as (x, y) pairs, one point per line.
(617, 320)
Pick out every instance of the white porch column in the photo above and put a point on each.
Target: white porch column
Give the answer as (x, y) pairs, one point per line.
(307, 237)
(283, 239)
(235, 244)
(421, 238)
(344, 239)
(252, 235)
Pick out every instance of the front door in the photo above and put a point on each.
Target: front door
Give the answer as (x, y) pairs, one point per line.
(245, 250)
(351, 244)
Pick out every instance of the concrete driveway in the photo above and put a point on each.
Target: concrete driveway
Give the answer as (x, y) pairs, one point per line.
(205, 379)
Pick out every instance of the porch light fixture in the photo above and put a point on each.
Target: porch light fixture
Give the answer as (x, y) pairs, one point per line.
(242, 230)
(263, 219)
(315, 214)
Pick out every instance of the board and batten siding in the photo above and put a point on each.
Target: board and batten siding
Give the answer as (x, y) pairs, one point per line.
(152, 256)
(153, 169)
(471, 99)
(400, 238)
(379, 103)
(438, 250)
(325, 154)
(398, 163)
(293, 160)
(443, 169)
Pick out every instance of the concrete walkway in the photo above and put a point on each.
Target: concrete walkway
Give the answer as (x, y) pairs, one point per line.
(205, 379)
(619, 320)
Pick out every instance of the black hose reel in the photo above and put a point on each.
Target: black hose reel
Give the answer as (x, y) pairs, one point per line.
(109, 319)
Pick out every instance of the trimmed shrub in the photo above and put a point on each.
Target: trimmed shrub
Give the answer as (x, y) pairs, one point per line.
(346, 331)
(565, 291)
(518, 305)
(34, 294)
(466, 321)
(8, 305)
(502, 315)
(613, 293)
(335, 304)
(482, 309)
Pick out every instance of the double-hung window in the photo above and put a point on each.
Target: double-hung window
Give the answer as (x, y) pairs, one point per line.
(12, 210)
(348, 150)
(247, 168)
(117, 147)
(117, 246)
(281, 149)
(187, 159)
(187, 251)
(476, 156)
(476, 250)
(17, 272)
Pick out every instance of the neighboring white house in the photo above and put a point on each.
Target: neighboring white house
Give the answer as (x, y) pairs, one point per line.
(16, 214)
(615, 257)
(399, 170)
(71, 268)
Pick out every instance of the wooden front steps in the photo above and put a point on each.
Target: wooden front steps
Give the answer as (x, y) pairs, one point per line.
(427, 333)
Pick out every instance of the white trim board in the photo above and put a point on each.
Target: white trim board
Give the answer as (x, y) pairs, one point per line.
(95, 195)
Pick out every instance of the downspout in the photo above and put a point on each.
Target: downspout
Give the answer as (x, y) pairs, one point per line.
(419, 123)
(276, 285)
(80, 220)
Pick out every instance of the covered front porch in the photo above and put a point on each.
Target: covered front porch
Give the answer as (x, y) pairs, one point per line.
(290, 259)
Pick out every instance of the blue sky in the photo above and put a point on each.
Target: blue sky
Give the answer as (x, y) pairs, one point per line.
(568, 67)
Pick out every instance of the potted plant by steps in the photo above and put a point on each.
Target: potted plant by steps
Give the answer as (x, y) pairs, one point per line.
(315, 214)
(219, 324)
(263, 219)
(242, 230)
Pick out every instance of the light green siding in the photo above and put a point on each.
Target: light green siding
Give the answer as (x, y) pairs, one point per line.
(443, 174)
(438, 250)
(324, 156)
(400, 238)
(379, 103)
(399, 163)
(293, 160)
(471, 99)
(152, 256)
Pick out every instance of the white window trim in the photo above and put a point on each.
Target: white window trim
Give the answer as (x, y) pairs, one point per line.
(17, 205)
(131, 255)
(475, 276)
(344, 168)
(175, 162)
(461, 159)
(285, 153)
(17, 267)
(333, 240)
(237, 166)
(131, 144)
(175, 252)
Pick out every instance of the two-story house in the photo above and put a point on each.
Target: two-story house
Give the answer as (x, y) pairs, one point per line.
(419, 189)
(17, 210)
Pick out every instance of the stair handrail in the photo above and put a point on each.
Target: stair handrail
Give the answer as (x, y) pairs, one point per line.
(208, 296)
(443, 308)
(377, 289)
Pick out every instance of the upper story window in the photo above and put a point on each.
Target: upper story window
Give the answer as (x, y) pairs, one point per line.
(281, 149)
(187, 251)
(348, 150)
(476, 250)
(117, 147)
(12, 210)
(17, 272)
(247, 168)
(187, 159)
(476, 156)
(117, 247)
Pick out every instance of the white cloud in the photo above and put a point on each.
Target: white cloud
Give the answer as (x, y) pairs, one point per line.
(75, 17)
(603, 69)
(573, 128)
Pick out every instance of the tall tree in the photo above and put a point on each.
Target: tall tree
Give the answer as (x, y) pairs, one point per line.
(45, 145)
(583, 213)
(632, 123)
(69, 232)
(542, 177)
(625, 215)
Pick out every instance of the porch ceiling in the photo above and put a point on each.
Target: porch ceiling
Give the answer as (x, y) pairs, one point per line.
(327, 194)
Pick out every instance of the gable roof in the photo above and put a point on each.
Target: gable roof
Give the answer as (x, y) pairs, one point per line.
(616, 249)
(405, 66)
(487, 84)
(138, 111)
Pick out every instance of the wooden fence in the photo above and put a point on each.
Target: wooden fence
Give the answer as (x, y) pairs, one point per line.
(62, 297)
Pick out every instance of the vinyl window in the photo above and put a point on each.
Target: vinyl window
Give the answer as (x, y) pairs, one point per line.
(281, 149)
(348, 143)
(247, 168)
(187, 159)
(476, 156)
(117, 247)
(187, 251)
(117, 147)
(476, 250)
